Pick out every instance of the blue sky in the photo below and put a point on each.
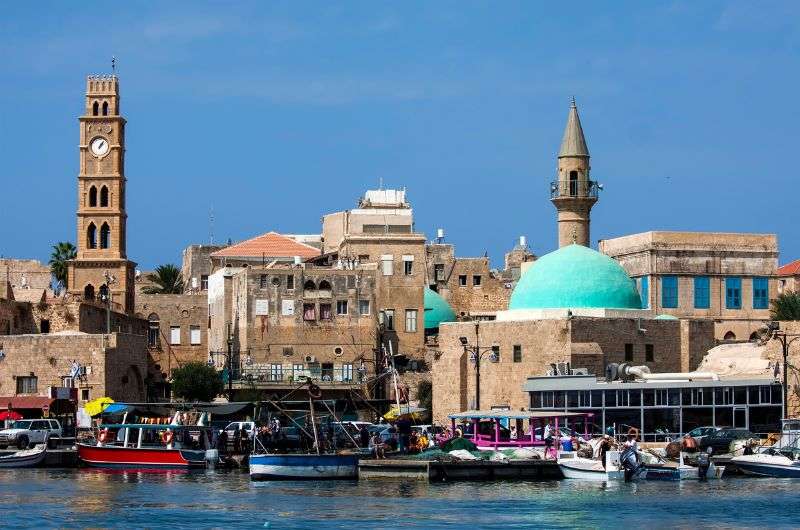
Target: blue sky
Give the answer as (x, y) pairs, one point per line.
(275, 113)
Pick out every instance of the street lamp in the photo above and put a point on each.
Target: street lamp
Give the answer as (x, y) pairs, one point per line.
(110, 280)
(476, 353)
(786, 340)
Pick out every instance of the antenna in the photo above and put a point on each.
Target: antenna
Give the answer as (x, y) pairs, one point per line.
(211, 224)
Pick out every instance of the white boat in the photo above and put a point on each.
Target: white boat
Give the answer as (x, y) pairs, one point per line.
(303, 466)
(768, 464)
(25, 458)
(681, 472)
(590, 469)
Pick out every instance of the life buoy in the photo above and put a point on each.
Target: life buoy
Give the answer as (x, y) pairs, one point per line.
(314, 391)
(167, 437)
(104, 435)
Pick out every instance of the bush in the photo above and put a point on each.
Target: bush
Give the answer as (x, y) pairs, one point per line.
(196, 382)
(786, 306)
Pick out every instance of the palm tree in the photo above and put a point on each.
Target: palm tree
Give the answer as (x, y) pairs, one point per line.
(62, 252)
(786, 306)
(167, 280)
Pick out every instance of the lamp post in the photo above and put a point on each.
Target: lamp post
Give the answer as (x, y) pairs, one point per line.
(110, 280)
(476, 353)
(786, 340)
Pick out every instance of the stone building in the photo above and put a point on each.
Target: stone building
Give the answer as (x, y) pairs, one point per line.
(196, 266)
(28, 279)
(728, 278)
(101, 268)
(789, 277)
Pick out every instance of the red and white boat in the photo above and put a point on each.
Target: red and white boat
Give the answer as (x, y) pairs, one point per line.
(141, 446)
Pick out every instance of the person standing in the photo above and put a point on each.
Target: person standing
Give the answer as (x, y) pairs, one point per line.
(363, 436)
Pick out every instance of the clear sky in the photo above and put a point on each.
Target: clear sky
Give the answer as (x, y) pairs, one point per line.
(275, 113)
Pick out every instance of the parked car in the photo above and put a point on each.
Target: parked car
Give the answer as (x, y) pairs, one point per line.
(247, 426)
(698, 433)
(24, 433)
(721, 440)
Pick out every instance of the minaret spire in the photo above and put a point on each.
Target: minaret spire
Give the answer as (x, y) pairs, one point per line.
(573, 143)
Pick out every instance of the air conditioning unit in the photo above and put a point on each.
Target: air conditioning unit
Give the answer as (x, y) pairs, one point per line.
(311, 359)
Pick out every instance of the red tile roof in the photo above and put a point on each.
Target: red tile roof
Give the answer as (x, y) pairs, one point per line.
(270, 245)
(790, 269)
(25, 402)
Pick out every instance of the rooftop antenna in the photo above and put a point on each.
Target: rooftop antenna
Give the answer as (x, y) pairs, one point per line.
(113, 65)
(211, 224)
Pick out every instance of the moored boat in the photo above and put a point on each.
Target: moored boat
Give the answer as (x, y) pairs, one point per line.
(591, 469)
(25, 458)
(768, 464)
(303, 466)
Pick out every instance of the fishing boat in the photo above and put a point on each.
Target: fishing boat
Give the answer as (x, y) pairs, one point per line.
(590, 469)
(681, 471)
(25, 458)
(303, 466)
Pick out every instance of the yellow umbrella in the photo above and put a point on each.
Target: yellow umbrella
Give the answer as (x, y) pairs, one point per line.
(96, 406)
(415, 413)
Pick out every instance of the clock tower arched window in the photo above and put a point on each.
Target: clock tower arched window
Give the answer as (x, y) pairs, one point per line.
(91, 236)
(92, 197)
(104, 196)
(105, 236)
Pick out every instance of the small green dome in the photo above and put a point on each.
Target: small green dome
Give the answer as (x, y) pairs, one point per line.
(437, 310)
(572, 277)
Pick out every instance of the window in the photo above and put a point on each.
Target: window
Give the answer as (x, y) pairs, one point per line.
(204, 282)
(297, 370)
(496, 354)
(27, 384)
(262, 282)
(408, 265)
(105, 236)
(44, 326)
(760, 293)
(325, 311)
(629, 353)
(517, 353)
(88, 294)
(341, 307)
(438, 272)
(462, 280)
(347, 372)
(649, 356)
(573, 183)
(702, 295)
(669, 291)
(411, 320)
(91, 236)
(95, 108)
(309, 312)
(388, 319)
(387, 264)
(105, 108)
(290, 282)
(84, 394)
(194, 335)
(644, 291)
(287, 308)
(276, 372)
(92, 197)
(175, 335)
(476, 281)
(363, 307)
(733, 293)
(104, 197)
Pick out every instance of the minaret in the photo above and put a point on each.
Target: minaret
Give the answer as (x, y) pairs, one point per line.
(573, 194)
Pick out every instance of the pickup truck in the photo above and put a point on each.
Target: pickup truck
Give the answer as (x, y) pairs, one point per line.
(24, 433)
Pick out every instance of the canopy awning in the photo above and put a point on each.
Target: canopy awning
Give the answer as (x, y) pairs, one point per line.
(25, 402)
(514, 415)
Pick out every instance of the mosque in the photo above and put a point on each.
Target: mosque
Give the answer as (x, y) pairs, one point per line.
(572, 312)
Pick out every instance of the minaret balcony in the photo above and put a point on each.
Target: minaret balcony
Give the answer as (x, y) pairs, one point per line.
(575, 189)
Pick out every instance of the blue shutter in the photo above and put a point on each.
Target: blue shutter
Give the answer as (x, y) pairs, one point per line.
(645, 291)
(733, 293)
(760, 293)
(702, 295)
(669, 291)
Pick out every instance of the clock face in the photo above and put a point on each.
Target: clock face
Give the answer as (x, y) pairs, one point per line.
(99, 146)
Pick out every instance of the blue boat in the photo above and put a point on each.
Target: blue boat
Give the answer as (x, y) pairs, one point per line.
(303, 466)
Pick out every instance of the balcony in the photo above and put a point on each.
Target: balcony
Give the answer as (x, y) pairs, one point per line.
(579, 189)
(263, 375)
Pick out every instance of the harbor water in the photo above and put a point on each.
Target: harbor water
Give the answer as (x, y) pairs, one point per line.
(44, 498)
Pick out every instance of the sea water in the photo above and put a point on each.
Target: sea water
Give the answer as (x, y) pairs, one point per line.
(77, 498)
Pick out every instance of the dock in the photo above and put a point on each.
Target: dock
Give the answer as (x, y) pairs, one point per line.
(62, 457)
(439, 471)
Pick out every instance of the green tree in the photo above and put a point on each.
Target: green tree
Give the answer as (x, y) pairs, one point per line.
(425, 395)
(196, 381)
(62, 253)
(167, 279)
(786, 306)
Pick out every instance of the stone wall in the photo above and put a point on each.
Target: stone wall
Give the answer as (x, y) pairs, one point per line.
(15, 317)
(774, 352)
(197, 264)
(36, 274)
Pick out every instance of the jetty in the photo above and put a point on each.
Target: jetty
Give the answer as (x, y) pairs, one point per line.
(438, 471)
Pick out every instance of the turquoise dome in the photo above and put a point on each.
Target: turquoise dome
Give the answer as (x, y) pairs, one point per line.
(437, 310)
(575, 276)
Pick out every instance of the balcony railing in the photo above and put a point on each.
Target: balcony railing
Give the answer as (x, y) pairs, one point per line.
(580, 189)
(274, 373)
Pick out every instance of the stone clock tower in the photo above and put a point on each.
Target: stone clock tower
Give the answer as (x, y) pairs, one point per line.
(101, 266)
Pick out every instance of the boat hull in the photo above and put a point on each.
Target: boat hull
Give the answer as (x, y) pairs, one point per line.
(110, 456)
(302, 467)
(28, 458)
(767, 466)
(571, 471)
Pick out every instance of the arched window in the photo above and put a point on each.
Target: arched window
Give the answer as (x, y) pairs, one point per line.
(95, 109)
(105, 236)
(91, 239)
(153, 330)
(754, 336)
(103, 292)
(573, 183)
(309, 286)
(92, 197)
(730, 336)
(324, 289)
(88, 292)
(104, 196)
(105, 108)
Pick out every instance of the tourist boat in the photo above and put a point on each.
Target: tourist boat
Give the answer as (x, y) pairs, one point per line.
(164, 451)
(303, 466)
(590, 469)
(25, 458)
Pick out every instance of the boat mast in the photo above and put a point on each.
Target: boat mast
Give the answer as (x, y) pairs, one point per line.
(394, 379)
(313, 425)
